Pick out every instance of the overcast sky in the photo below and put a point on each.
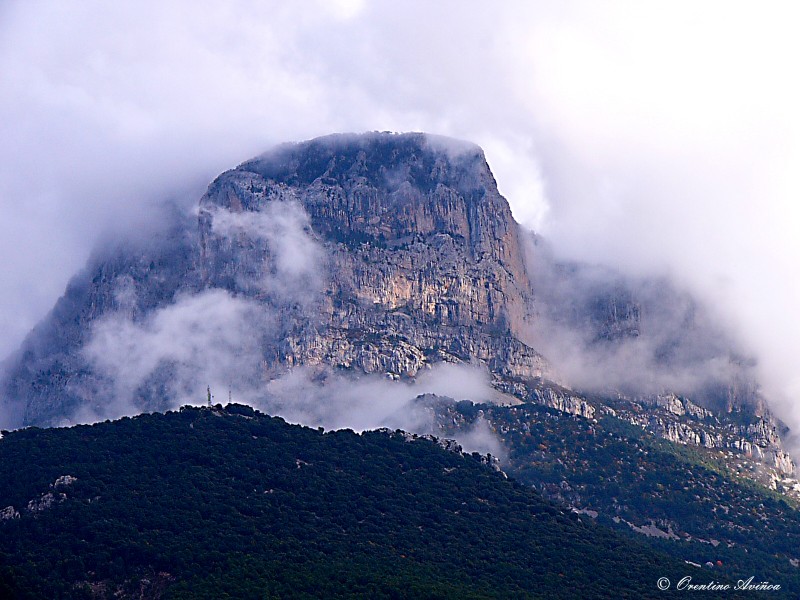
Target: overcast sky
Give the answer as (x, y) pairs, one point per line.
(656, 137)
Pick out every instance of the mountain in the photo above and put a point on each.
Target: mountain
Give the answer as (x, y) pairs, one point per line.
(379, 254)
(423, 260)
(376, 254)
(375, 280)
(217, 503)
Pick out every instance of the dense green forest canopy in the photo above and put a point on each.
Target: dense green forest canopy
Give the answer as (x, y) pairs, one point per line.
(231, 503)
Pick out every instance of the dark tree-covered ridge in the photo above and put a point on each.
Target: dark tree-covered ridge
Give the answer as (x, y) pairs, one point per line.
(231, 503)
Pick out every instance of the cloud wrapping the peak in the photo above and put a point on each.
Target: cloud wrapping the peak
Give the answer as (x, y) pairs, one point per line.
(654, 137)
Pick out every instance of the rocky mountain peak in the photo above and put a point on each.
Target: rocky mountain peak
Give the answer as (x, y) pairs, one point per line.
(384, 160)
(360, 254)
(376, 253)
(415, 237)
(383, 188)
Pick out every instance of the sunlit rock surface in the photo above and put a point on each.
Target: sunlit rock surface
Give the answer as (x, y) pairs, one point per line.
(421, 260)
(369, 254)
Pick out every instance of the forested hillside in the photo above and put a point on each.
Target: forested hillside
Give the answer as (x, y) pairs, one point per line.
(230, 503)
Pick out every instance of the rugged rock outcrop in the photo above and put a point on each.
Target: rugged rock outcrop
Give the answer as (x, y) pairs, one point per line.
(377, 253)
(420, 258)
(755, 441)
(9, 512)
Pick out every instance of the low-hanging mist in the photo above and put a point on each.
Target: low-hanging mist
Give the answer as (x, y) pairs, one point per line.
(658, 139)
(213, 342)
(609, 332)
(216, 340)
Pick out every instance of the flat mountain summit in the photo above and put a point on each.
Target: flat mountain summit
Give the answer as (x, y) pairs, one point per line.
(376, 255)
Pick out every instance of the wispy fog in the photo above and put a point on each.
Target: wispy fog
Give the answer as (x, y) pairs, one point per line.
(661, 139)
(370, 401)
(208, 339)
(606, 331)
(213, 341)
(291, 268)
(312, 397)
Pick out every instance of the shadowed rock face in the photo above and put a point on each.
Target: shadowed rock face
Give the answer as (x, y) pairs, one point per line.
(48, 380)
(377, 253)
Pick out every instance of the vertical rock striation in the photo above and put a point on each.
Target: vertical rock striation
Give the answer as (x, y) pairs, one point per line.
(423, 259)
(376, 253)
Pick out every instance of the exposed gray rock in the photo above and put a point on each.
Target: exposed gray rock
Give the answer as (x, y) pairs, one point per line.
(548, 394)
(680, 421)
(423, 261)
(568, 403)
(9, 512)
(762, 432)
(493, 462)
(45, 501)
(783, 462)
(585, 511)
(65, 480)
(677, 405)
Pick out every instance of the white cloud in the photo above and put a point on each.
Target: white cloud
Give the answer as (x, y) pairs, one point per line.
(212, 341)
(208, 339)
(335, 401)
(658, 137)
(293, 263)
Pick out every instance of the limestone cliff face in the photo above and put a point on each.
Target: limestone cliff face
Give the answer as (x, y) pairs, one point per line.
(420, 257)
(376, 253)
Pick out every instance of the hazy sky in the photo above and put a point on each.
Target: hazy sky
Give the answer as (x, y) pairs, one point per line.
(657, 137)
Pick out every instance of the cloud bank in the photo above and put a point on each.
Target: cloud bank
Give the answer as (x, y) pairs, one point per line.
(287, 263)
(608, 332)
(657, 138)
(212, 341)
